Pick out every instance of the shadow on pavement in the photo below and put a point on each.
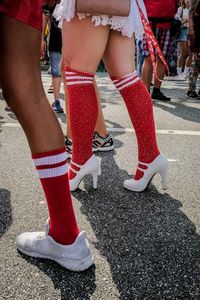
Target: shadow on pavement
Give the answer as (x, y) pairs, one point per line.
(72, 285)
(1, 118)
(5, 211)
(1, 122)
(180, 110)
(1, 96)
(151, 245)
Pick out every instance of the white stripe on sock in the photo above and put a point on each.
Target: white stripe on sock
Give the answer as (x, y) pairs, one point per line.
(124, 77)
(79, 82)
(50, 160)
(128, 84)
(79, 74)
(70, 73)
(125, 81)
(78, 77)
(53, 172)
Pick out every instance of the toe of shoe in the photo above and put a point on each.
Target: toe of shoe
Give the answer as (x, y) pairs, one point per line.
(25, 241)
(128, 184)
(22, 241)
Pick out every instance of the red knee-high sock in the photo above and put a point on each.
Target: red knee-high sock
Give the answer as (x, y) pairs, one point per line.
(83, 109)
(52, 170)
(140, 108)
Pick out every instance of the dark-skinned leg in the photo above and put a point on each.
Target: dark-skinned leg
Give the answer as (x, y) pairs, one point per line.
(22, 85)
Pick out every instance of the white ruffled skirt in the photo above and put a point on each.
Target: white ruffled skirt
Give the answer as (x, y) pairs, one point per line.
(126, 25)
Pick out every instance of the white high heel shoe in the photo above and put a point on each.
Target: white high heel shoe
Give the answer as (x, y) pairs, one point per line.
(158, 165)
(91, 167)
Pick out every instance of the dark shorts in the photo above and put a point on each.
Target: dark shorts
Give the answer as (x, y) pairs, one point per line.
(26, 11)
(165, 41)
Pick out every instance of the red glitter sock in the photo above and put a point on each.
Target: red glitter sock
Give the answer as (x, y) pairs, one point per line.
(52, 170)
(140, 108)
(83, 109)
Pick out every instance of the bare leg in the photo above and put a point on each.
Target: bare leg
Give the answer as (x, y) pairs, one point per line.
(188, 61)
(133, 91)
(182, 57)
(161, 70)
(100, 124)
(24, 92)
(80, 69)
(56, 82)
(23, 86)
(147, 72)
(95, 39)
(68, 125)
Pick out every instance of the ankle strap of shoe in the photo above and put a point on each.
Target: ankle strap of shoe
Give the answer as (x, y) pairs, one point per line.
(76, 165)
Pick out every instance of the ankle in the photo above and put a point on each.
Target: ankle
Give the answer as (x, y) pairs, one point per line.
(61, 238)
(102, 134)
(156, 89)
(74, 162)
(149, 158)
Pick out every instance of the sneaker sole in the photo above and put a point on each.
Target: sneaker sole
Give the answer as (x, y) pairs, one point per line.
(190, 97)
(80, 266)
(103, 149)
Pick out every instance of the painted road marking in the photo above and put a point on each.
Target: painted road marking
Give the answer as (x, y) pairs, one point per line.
(121, 129)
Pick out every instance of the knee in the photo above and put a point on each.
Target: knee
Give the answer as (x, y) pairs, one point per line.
(55, 72)
(22, 98)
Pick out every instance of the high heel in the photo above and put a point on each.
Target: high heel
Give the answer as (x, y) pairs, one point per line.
(163, 175)
(91, 167)
(158, 165)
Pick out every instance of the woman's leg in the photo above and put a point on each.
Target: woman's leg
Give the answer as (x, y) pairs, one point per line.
(139, 104)
(55, 61)
(79, 75)
(22, 85)
(147, 72)
(188, 61)
(100, 124)
(100, 127)
(182, 57)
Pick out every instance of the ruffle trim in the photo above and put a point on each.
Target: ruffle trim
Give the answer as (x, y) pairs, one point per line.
(126, 25)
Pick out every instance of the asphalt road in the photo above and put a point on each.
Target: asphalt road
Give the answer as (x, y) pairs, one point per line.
(146, 246)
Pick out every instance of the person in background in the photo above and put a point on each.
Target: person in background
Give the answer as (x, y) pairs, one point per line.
(193, 76)
(160, 15)
(194, 42)
(140, 56)
(55, 54)
(185, 56)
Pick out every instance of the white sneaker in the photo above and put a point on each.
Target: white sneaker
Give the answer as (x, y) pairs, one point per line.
(74, 257)
(179, 77)
(186, 75)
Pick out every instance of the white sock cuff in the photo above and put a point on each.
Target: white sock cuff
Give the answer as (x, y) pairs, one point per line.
(126, 80)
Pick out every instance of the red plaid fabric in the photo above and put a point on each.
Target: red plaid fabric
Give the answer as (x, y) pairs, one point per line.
(26, 11)
(165, 41)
